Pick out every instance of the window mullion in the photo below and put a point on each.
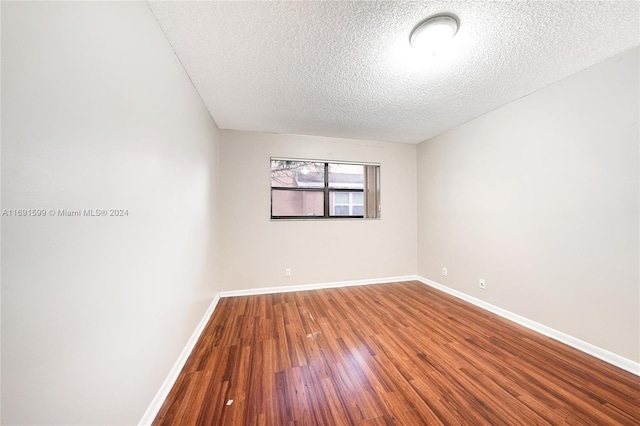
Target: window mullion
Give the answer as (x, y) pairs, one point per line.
(326, 189)
(351, 204)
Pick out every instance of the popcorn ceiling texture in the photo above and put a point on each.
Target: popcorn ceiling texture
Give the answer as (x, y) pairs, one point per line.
(346, 69)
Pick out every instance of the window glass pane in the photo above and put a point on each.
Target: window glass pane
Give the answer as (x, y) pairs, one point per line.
(346, 176)
(342, 211)
(358, 210)
(341, 197)
(297, 203)
(297, 174)
(358, 198)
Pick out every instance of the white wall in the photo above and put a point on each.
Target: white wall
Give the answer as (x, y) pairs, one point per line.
(97, 113)
(257, 250)
(541, 198)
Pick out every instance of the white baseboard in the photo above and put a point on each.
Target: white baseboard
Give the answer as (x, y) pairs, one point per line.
(603, 354)
(168, 383)
(286, 289)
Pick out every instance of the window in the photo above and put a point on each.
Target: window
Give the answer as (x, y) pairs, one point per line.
(309, 189)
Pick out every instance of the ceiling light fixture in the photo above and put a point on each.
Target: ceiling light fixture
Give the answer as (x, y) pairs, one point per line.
(434, 32)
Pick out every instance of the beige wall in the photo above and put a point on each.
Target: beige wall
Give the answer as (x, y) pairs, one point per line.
(540, 198)
(257, 250)
(97, 113)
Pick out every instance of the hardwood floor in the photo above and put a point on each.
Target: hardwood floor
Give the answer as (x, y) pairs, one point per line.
(388, 354)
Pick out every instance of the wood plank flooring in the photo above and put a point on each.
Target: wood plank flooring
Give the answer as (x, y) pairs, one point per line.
(388, 354)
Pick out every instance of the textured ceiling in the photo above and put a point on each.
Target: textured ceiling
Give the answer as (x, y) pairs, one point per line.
(346, 69)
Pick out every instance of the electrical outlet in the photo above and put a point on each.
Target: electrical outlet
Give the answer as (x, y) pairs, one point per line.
(287, 272)
(481, 284)
(444, 271)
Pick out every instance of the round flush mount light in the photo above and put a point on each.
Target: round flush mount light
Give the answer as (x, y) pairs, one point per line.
(434, 32)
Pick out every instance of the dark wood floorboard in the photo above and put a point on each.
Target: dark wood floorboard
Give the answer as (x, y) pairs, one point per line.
(388, 354)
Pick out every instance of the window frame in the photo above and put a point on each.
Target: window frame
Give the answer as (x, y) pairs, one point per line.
(326, 190)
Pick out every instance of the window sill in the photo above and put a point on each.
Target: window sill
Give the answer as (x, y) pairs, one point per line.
(321, 219)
